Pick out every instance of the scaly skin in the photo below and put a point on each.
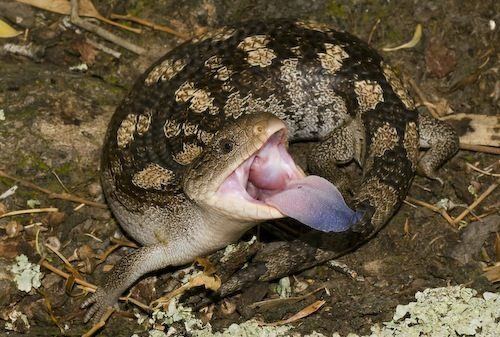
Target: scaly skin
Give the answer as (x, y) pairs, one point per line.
(324, 84)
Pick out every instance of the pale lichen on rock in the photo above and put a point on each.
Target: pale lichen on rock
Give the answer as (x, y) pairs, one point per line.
(26, 274)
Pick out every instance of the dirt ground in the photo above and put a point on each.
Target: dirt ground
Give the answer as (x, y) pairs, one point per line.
(53, 118)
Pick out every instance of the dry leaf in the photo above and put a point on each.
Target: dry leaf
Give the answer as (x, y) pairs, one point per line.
(209, 282)
(493, 273)
(208, 267)
(86, 8)
(63, 6)
(310, 309)
(87, 52)
(7, 31)
(476, 129)
(410, 44)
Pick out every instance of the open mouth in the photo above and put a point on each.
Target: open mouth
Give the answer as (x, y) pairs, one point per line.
(269, 185)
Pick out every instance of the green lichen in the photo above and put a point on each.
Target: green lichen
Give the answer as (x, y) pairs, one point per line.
(444, 312)
(176, 312)
(26, 274)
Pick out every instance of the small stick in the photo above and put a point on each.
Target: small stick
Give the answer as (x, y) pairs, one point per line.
(86, 285)
(482, 171)
(410, 204)
(79, 207)
(29, 211)
(93, 237)
(433, 208)
(149, 24)
(480, 148)
(422, 187)
(374, 28)
(106, 49)
(60, 181)
(68, 265)
(52, 195)
(277, 301)
(82, 23)
(475, 203)
(485, 214)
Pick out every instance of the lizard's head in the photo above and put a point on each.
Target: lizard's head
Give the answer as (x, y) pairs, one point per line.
(246, 173)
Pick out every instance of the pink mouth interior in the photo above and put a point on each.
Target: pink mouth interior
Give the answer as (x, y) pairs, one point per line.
(270, 177)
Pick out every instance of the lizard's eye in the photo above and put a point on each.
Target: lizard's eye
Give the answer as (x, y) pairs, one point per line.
(226, 145)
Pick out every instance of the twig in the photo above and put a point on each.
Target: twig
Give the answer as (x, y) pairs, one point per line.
(410, 204)
(82, 23)
(106, 49)
(480, 148)
(487, 213)
(59, 180)
(29, 211)
(52, 195)
(481, 171)
(374, 28)
(149, 24)
(79, 207)
(433, 208)
(68, 265)
(84, 285)
(274, 302)
(422, 187)
(93, 237)
(475, 203)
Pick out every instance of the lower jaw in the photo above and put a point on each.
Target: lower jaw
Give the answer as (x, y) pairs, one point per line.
(248, 212)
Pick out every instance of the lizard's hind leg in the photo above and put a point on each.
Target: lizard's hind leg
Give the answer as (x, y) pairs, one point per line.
(442, 141)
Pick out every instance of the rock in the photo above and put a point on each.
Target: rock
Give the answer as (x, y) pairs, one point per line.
(13, 228)
(95, 189)
(18, 13)
(440, 60)
(56, 218)
(473, 237)
(3, 208)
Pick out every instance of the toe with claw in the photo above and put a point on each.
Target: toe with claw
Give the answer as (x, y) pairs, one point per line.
(98, 303)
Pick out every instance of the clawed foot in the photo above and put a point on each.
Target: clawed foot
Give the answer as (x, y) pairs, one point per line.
(426, 171)
(98, 303)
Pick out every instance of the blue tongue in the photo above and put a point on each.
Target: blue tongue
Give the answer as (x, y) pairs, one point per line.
(315, 202)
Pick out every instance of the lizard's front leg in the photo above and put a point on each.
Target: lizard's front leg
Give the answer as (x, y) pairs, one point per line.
(337, 148)
(128, 270)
